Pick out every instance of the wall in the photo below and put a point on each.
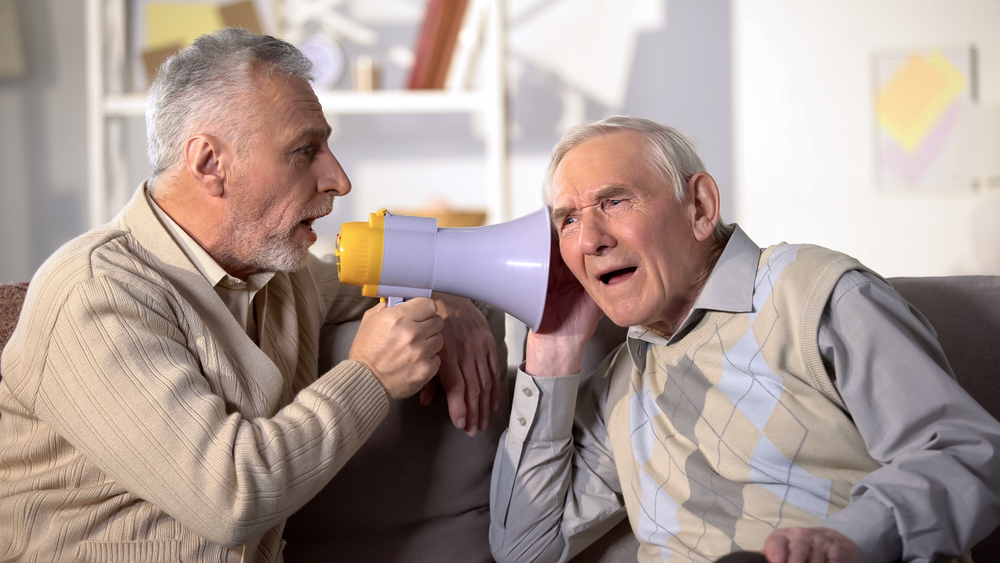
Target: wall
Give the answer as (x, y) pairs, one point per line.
(43, 149)
(803, 148)
(680, 73)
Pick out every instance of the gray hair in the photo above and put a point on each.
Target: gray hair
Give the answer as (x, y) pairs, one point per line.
(201, 85)
(668, 151)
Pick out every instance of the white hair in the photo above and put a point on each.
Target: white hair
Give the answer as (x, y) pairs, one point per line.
(203, 86)
(668, 151)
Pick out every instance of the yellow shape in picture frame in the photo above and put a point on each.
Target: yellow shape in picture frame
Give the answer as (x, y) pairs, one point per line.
(170, 24)
(916, 96)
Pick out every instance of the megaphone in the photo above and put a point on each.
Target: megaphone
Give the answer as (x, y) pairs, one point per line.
(398, 257)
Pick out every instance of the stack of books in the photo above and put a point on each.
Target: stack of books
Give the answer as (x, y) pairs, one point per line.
(449, 44)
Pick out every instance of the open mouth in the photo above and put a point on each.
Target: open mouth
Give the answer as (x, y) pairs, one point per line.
(615, 275)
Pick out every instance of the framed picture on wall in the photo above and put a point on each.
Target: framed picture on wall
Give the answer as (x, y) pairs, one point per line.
(924, 113)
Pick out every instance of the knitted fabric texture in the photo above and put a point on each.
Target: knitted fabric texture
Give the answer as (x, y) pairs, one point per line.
(140, 423)
(736, 429)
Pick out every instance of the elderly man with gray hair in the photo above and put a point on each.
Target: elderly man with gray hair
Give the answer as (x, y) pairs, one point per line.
(160, 398)
(781, 404)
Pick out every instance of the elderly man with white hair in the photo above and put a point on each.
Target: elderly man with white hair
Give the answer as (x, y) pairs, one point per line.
(781, 404)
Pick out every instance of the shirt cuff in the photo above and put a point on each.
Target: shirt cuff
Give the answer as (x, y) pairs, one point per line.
(543, 407)
(872, 527)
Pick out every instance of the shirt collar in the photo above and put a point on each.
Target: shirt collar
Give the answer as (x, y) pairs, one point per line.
(729, 288)
(202, 260)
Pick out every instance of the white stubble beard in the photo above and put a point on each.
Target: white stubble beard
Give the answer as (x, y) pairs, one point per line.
(274, 252)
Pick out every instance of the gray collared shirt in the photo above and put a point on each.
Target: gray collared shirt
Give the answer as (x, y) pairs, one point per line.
(727, 289)
(555, 486)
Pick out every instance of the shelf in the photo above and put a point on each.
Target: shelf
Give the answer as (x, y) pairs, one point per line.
(403, 101)
(107, 59)
(348, 102)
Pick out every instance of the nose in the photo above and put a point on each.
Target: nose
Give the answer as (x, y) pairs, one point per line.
(331, 176)
(595, 239)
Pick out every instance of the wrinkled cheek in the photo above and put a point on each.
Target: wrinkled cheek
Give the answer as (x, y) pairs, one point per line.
(571, 256)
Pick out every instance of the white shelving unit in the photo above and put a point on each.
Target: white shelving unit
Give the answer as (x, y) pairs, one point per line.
(108, 102)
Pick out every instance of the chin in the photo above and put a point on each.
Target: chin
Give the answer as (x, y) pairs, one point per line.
(620, 318)
(286, 257)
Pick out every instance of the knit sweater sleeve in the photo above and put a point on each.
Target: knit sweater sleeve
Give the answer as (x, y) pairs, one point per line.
(120, 384)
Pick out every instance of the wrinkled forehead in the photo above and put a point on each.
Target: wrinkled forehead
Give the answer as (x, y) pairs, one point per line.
(619, 158)
(285, 105)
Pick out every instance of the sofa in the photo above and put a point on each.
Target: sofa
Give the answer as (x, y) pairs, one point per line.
(418, 490)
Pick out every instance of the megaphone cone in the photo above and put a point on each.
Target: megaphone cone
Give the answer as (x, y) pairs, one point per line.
(505, 265)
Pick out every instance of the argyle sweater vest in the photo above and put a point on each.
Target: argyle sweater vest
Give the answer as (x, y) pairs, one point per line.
(737, 429)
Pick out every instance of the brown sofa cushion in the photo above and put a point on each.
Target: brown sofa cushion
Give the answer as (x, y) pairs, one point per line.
(418, 490)
(11, 300)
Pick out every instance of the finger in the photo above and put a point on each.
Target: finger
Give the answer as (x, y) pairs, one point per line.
(429, 328)
(799, 549)
(454, 393)
(494, 369)
(433, 344)
(837, 553)
(776, 548)
(477, 392)
(435, 365)
(427, 392)
(472, 393)
(487, 394)
(418, 308)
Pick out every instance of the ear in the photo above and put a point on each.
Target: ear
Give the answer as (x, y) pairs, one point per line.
(704, 194)
(205, 159)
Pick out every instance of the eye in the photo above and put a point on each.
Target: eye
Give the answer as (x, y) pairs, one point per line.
(612, 202)
(308, 151)
(567, 224)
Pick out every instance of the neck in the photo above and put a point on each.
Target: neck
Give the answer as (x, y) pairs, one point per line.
(194, 219)
(713, 250)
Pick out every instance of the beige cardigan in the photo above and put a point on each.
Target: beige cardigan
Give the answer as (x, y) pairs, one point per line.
(138, 422)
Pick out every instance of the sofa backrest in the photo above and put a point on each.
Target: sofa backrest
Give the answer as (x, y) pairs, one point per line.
(965, 312)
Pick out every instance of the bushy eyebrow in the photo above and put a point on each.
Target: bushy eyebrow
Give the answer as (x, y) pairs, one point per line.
(310, 134)
(611, 191)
